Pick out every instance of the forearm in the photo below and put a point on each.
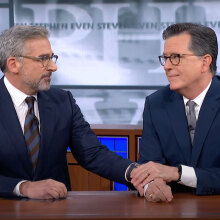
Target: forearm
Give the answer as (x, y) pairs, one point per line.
(208, 181)
(8, 184)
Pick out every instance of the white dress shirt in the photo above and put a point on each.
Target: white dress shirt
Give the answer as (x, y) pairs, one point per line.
(18, 99)
(21, 108)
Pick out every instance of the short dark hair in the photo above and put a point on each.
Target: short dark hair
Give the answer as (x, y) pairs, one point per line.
(203, 39)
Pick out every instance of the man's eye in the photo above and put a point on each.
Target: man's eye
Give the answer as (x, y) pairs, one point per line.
(175, 56)
(45, 57)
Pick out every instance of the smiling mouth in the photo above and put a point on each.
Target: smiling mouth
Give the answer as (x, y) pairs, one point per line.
(172, 76)
(46, 76)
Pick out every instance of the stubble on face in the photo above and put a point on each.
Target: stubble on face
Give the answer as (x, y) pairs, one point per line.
(37, 85)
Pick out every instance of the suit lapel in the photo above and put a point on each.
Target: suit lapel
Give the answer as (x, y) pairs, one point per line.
(208, 111)
(176, 111)
(11, 124)
(47, 118)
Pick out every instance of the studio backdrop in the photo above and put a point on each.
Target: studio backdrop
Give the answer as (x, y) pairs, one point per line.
(108, 50)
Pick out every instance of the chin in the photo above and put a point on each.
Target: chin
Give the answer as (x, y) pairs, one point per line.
(45, 86)
(174, 86)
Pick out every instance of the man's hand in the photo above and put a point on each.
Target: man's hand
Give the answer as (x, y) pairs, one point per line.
(147, 172)
(158, 191)
(44, 189)
(140, 189)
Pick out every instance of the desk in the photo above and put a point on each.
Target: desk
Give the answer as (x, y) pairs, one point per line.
(111, 205)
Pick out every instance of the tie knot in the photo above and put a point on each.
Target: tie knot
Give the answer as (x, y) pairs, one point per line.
(30, 101)
(191, 105)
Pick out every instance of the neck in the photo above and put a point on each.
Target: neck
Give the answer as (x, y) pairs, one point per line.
(19, 86)
(192, 93)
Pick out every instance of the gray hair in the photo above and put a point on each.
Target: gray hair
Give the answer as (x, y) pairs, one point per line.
(203, 40)
(12, 41)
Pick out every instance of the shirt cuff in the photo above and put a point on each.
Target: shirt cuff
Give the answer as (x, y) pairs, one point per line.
(126, 173)
(188, 177)
(17, 189)
(145, 187)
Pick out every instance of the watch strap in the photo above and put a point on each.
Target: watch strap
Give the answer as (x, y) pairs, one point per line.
(180, 173)
(130, 168)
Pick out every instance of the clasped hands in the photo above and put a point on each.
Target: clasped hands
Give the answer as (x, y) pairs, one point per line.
(156, 176)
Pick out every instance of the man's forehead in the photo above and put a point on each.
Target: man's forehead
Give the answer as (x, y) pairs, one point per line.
(177, 43)
(41, 45)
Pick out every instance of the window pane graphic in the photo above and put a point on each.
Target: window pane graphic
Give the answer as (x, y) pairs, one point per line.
(4, 19)
(120, 146)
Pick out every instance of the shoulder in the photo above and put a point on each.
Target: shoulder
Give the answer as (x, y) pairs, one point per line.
(56, 95)
(215, 81)
(160, 95)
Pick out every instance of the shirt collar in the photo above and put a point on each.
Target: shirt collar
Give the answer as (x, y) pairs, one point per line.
(17, 96)
(199, 99)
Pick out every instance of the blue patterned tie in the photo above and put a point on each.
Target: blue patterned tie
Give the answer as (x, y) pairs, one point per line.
(31, 132)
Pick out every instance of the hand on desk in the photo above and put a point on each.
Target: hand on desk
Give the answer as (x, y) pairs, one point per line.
(158, 191)
(44, 189)
(147, 172)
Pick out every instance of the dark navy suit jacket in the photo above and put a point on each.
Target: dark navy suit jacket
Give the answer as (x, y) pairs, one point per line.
(61, 125)
(166, 138)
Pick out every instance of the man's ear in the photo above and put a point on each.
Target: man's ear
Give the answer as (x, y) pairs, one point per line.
(206, 62)
(13, 65)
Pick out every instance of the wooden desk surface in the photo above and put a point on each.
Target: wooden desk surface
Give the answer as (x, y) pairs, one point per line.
(111, 205)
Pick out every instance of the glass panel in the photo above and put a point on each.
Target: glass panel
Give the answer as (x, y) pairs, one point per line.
(107, 42)
(3, 2)
(121, 144)
(112, 43)
(139, 144)
(120, 187)
(122, 150)
(4, 19)
(109, 142)
(102, 106)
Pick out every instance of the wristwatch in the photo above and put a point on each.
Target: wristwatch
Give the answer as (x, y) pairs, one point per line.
(128, 173)
(180, 173)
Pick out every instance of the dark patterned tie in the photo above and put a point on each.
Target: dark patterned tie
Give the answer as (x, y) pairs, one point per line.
(191, 118)
(31, 132)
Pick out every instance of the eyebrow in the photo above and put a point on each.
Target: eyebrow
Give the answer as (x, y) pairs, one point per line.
(47, 54)
(165, 54)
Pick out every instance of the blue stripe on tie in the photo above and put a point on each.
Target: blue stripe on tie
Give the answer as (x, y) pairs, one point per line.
(34, 157)
(28, 119)
(34, 143)
(30, 131)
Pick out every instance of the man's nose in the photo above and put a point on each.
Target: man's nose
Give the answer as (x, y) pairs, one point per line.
(52, 66)
(167, 64)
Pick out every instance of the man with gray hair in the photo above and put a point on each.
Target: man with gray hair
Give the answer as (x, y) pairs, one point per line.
(38, 123)
(181, 141)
